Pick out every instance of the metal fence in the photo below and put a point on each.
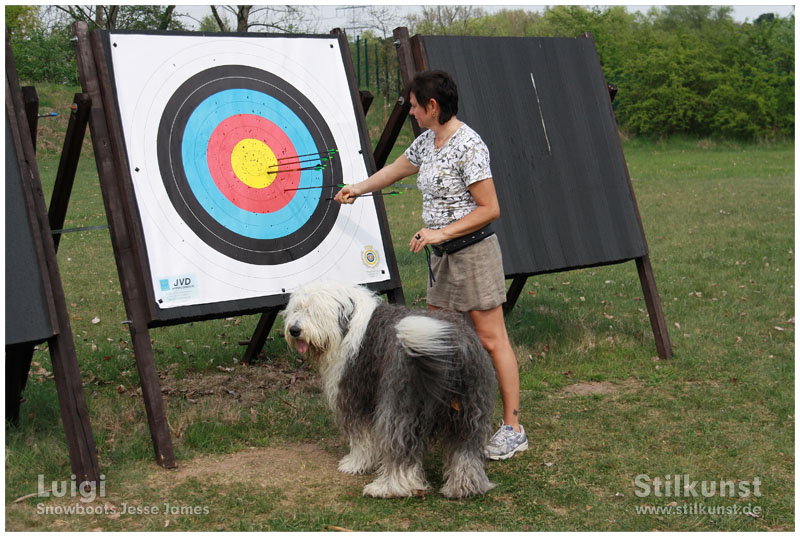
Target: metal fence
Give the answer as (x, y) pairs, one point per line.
(376, 66)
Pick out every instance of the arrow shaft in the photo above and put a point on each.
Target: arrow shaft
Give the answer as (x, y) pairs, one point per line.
(282, 170)
(329, 153)
(395, 193)
(310, 187)
(299, 161)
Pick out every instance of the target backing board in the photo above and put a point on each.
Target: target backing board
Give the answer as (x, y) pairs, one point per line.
(236, 145)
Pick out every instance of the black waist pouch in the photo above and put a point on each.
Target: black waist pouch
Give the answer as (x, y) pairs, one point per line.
(459, 243)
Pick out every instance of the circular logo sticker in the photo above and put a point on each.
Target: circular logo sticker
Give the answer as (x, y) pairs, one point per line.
(370, 257)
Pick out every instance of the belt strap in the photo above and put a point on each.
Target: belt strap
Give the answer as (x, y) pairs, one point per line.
(454, 245)
(431, 279)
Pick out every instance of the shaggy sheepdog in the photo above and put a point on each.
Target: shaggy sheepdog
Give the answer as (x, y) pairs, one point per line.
(396, 380)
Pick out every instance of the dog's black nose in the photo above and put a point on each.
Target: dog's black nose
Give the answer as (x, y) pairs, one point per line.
(295, 331)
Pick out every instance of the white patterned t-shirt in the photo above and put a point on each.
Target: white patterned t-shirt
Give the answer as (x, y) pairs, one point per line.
(446, 173)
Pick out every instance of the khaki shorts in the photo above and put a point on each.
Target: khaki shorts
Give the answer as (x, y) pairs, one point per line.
(470, 279)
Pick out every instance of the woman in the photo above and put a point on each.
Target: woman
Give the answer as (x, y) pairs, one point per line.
(459, 200)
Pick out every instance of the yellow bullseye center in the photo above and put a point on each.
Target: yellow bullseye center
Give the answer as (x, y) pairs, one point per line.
(254, 163)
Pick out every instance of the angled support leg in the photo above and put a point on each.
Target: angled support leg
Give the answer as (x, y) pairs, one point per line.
(366, 100)
(392, 130)
(657, 321)
(68, 165)
(18, 364)
(260, 335)
(513, 292)
(31, 102)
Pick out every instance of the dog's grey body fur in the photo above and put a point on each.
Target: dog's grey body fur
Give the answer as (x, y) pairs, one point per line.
(396, 380)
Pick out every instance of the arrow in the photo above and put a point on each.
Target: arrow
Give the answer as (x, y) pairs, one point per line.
(329, 152)
(310, 187)
(282, 170)
(300, 160)
(394, 193)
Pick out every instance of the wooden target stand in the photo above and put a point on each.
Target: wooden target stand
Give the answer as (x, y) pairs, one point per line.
(413, 57)
(35, 303)
(127, 235)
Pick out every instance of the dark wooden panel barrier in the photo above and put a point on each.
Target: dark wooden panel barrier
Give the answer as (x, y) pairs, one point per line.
(28, 315)
(543, 107)
(559, 172)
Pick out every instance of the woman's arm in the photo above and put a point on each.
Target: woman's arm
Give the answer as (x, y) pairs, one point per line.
(488, 210)
(388, 175)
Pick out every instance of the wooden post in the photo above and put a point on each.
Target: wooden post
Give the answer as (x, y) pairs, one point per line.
(18, 366)
(106, 146)
(31, 102)
(408, 67)
(513, 292)
(391, 130)
(657, 320)
(260, 335)
(366, 100)
(68, 164)
(418, 53)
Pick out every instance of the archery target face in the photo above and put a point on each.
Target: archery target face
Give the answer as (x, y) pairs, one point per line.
(236, 145)
(240, 153)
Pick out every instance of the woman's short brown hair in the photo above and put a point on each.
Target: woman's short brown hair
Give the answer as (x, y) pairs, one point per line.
(439, 86)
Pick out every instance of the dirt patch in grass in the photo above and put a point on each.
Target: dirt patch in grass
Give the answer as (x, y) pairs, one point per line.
(597, 388)
(245, 384)
(301, 472)
(220, 395)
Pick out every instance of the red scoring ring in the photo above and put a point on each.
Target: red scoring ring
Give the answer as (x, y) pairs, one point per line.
(223, 140)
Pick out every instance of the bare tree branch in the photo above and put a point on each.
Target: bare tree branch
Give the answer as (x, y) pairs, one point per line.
(220, 22)
(382, 18)
(77, 12)
(282, 19)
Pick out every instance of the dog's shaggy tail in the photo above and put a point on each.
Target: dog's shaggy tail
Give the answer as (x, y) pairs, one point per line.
(425, 336)
(430, 344)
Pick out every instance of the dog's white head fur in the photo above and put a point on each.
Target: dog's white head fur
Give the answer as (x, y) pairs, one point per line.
(328, 320)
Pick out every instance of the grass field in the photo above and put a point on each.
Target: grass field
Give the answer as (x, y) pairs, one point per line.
(257, 448)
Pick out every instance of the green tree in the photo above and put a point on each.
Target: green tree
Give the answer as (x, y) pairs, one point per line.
(696, 71)
(44, 53)
(22, 21)
(516, 23)
(755, 97)
(667, 91)
(45, 56)
(444, 20)
(40, 54)
(209, 24)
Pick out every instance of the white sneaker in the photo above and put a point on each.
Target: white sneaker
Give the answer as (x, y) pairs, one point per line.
(506, 442)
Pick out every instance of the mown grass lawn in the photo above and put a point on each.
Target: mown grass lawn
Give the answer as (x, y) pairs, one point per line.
(257, 448)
